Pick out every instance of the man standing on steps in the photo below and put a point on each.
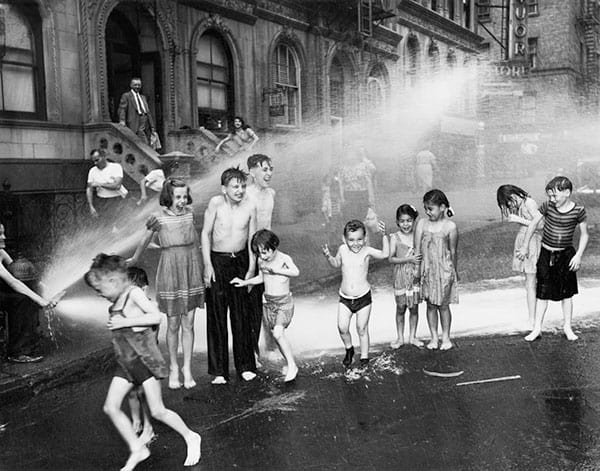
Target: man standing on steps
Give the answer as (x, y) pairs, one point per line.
(134, 111)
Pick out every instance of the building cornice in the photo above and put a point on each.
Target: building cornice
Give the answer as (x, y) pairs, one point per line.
(237, 10)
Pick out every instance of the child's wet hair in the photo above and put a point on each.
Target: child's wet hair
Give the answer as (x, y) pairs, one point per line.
(137, 276)
(233, 173)
(266, 239)
(504, 197)
(407, 209)
(437, 198)
(559, 183)
(256, 160)
(104, 264)
(166, 194)
(353, 226)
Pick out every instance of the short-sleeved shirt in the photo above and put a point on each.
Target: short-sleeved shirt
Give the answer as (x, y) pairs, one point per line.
(106, 176)
(155, 179)
(560, 227)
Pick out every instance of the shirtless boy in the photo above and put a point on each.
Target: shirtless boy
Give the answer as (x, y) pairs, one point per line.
(229, 223)
(260, 192)
(355, 292)
(275, 270)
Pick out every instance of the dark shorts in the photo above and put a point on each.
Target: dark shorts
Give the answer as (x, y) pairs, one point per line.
(138, 371)
(555, 281)
(356, 304)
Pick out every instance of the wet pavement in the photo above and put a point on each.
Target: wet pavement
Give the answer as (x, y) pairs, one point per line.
(389, 416)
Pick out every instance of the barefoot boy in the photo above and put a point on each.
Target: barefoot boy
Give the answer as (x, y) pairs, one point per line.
(259, 191)
(355, 291)
(229, 223)
(558, 261)
(275, 270)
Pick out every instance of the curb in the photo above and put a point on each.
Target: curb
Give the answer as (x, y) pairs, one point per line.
(17, 388)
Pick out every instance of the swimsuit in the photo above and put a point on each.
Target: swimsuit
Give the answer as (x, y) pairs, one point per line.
(356, 304)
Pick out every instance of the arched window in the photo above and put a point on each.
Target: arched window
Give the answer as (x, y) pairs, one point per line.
(214, 84)
(376, 88)
(412, 60)
(434, 58)
(21, 71)
(336, 88)
(285, 76)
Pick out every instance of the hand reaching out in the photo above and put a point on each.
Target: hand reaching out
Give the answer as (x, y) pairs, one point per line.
(238, 282)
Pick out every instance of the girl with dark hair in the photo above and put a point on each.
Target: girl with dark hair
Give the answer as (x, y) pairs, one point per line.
(242, 134)
(517, 206)
(436, 241)
(179, 286)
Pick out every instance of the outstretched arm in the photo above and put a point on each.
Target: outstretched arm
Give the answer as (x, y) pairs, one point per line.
(141, 247)
(239, 283)
(223, 141)
(21, 287)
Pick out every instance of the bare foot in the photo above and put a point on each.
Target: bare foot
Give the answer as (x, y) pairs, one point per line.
(433, 344)
(397, 343)
(188, 380)
(570, 334)
(148, 436)
(416, 342)
(533, 335)
(446, 345)
(174, 382)
(135, 458)
(256, 361)
(219, 380)
(291, 373)
(137, 426)
(248, 375)
(194, 444)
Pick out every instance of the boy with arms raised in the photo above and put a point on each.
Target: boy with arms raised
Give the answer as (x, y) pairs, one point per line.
(558, 261)
(229, 223)
(275, 269)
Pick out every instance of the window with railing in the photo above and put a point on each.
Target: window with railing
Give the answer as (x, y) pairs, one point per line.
(214, 87)
(285, 76)
(21, 65)
(533, 8)
(484, 11)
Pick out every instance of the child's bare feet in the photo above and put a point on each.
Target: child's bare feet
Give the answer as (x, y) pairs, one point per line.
(188, 380)
(194, 444)
(292, 371)
(147, 436)
(433, 344)
(174, 382)
(397, 343)
(135, 458)
(137, 426)
(416, 342)
(534, 335)
(569, 333)
(446, 345)
(219, 380)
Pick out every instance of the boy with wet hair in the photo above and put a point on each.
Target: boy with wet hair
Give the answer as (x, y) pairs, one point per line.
(229, 223)
(274, 270)
(355, 292)
(558, 261)
(259, 191)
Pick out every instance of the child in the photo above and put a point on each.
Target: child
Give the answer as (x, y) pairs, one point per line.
(355, 293)
(137, 403)
(436, 240)
(153, 180)
(516, 205)
(229, 223)
(275, 270)
(558, 260)
(179, 286)
(139, 359)
(331, 205)
(402, 255)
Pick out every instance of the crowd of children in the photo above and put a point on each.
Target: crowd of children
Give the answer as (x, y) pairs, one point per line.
(236, 268)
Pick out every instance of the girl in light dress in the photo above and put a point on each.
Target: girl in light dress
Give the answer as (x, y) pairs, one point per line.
(405, 261)
(179, 285)
(436, 241)
(517, 206)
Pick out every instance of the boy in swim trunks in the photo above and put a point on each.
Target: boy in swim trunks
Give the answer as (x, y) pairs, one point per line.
(274, 270)
(355, 292)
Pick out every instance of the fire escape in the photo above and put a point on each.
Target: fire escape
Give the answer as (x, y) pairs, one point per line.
(589, 27)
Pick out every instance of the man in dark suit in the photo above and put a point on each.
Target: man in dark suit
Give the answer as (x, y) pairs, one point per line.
(134, 111)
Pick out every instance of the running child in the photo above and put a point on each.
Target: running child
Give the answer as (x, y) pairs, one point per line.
(179, 286)
(558, 261)
(355, 292)
(406, 292)
(275, 270)
(436, 241)
(140, 415)
(518, 206)
(139, 359)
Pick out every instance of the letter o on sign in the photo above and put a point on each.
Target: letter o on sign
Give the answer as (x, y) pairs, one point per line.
(520, 30)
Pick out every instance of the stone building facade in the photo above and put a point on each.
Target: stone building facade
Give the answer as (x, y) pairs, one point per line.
(292, 69)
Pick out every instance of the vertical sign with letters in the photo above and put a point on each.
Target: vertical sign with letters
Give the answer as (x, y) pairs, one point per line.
(517, 25)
